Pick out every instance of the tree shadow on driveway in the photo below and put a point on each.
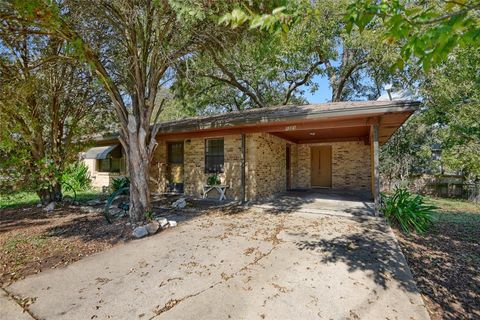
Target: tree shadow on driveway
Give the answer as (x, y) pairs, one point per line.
(373, 251)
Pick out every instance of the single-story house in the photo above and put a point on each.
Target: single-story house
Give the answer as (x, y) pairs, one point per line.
(260, 152)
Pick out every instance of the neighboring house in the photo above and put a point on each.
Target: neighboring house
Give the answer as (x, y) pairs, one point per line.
(105, 163)
(260, 152)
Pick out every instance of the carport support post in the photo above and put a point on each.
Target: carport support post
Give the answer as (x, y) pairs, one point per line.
(243, 173)
(375, 166)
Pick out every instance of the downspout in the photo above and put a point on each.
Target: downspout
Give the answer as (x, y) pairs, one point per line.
(243, 169)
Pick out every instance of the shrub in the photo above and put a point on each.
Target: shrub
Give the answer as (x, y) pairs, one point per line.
(407, 211)
(213, 180)
(120, 183)
(149, 215)
(77, 177)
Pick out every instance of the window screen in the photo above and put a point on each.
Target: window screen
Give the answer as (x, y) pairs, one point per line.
(175, 152)
(109, 165)
(214, 155)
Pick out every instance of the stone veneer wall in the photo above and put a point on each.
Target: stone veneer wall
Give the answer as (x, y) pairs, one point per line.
(350, 165)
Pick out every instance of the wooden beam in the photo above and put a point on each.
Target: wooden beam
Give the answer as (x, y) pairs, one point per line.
(284, 127)
(373, 120)
(284, 136)
(323, 140)
(375, 162)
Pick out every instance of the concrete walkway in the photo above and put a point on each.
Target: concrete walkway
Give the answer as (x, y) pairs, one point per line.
(10, 309)
(251, 265)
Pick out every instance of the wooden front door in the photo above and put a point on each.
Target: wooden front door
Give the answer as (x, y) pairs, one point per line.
(321, 166)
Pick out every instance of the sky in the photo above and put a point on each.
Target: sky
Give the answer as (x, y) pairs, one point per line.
(324, 92)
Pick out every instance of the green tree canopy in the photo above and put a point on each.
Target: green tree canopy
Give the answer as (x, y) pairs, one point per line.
(48, 103)
(274, 68)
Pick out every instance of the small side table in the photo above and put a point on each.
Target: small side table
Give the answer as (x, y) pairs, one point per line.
(220, 188)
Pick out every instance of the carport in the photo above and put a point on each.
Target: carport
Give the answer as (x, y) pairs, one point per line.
(334, 202)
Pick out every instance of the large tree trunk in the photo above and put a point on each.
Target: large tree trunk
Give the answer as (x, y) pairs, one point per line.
(139, 188)
(138, 167)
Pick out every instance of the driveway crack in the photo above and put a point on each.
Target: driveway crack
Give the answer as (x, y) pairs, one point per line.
(21, 303)
(170, 304)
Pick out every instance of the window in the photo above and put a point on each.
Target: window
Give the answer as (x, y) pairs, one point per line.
(214, 155)
(109, 165)
(175, 153)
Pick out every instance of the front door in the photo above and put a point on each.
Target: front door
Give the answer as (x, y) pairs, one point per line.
(321, 166)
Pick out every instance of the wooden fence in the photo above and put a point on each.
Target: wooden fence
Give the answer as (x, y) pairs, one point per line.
(445, 186)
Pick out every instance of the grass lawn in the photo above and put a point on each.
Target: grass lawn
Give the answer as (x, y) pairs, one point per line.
(30, 198)
(445, 261)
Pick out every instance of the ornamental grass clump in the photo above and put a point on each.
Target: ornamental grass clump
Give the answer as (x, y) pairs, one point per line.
(407, 211)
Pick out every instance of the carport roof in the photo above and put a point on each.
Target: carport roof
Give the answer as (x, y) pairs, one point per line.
(288, 113)
(284, 120)
(345, 118)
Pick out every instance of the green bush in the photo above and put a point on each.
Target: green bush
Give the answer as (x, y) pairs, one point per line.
(407, 211)
(119, 183)
(149, 215)
(213, 180)
(77, 177)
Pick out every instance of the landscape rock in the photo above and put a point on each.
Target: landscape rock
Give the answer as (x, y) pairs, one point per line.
(94, 202)
(152, 227)
(67, 200)
(180, 203)
(172, 223)
(115, 211)
(140, 232)
(50, 207)
(39, 205)
(162, 221)
(91, 210)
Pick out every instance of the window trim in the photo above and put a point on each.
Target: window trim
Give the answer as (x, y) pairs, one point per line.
(207, 156)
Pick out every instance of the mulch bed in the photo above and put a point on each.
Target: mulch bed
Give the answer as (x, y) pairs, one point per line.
(32, 240)
(445, 263)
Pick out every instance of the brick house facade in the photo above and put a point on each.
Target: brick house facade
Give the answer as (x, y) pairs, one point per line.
(259, 153)
(266, 172)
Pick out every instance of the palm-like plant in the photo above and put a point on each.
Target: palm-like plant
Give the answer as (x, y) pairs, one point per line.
(407, 211)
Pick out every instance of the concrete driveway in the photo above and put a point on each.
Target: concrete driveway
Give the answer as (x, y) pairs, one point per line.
(251, 265)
